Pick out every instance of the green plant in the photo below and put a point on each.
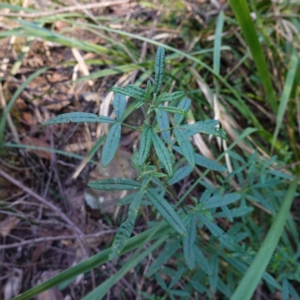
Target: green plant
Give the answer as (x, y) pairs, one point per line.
(189, 231)
(157, 172)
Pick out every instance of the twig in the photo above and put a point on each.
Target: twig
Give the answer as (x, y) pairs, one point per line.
(42, 200)
(55, 238)
(64, 9)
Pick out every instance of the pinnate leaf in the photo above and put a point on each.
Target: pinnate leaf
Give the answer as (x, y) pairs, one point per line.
(119, 105)
(111, 144)
(166, 211)
(186, 146)
(79, 117)
(145, 145)
(159, 69)
(185, 105)
(162, 153)
(118, 184)
(124, 232)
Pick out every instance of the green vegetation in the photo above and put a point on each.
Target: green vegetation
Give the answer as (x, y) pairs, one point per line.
(232, 76)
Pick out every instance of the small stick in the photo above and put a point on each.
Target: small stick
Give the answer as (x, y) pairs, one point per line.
(42, 200)
(55, 238)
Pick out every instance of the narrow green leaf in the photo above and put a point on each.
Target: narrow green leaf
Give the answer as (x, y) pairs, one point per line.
(111, 184)
(166, 211)
(219, 233)
(204, 161)
(213, 278)
(161, 282)
(218, 42)
(163, 123)
(33, 29)
(157, 111)
(209, 164)
(236, 212)
(148, 90)
(79, 117)
(99, 292)
(125, 230)
(14, 98)
(166, 97)
(127, 199)
(186, 146)
(258, 266)
(157, 174)
(138, 105)
(218, 201)
(131, 91)
(170, 248)
(203, 262)
(242, 14)
(111, 144)
(185, 105)
(180, 174)
(172, 109)
(159, 69)
(181, 294)
(290, 78)
(177, 276)
(145, 144)
(188, 243)
(162, 153)
(119, 105)
(207, 127)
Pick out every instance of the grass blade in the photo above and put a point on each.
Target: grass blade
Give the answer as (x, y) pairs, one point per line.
(256, 270)
(14, 98)
(101, 290)
(242, 14)
(293, 66)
